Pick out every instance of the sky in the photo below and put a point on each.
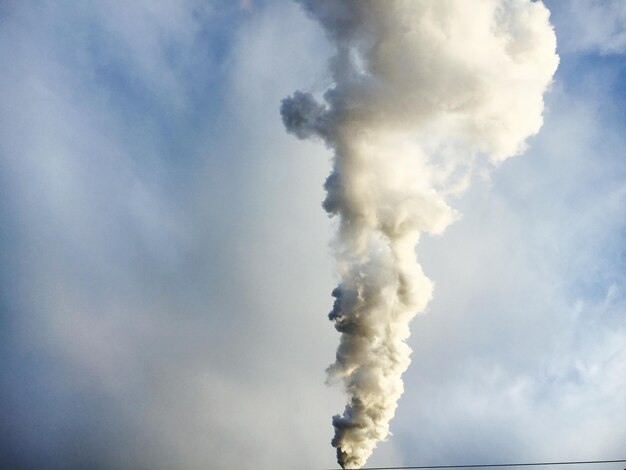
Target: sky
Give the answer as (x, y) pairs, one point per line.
(166, 270)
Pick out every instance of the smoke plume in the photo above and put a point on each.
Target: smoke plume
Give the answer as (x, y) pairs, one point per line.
(422, 91)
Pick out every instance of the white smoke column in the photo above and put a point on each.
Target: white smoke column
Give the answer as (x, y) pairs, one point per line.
(422, 90)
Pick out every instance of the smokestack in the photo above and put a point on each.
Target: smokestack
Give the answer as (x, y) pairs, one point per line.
(422, 90)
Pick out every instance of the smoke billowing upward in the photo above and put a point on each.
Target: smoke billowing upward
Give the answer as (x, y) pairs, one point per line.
(422, 90)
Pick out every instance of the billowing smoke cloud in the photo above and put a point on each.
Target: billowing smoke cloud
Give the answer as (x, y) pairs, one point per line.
(422, 91)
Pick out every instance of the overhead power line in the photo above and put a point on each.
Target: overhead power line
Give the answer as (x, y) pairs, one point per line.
(493, 465)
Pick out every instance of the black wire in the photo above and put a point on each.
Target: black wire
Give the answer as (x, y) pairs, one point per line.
(535, 464)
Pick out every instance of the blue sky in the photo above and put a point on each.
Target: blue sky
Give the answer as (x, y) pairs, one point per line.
(165, 267)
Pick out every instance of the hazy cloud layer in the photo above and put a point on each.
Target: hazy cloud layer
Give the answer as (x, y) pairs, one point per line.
(593, 25)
